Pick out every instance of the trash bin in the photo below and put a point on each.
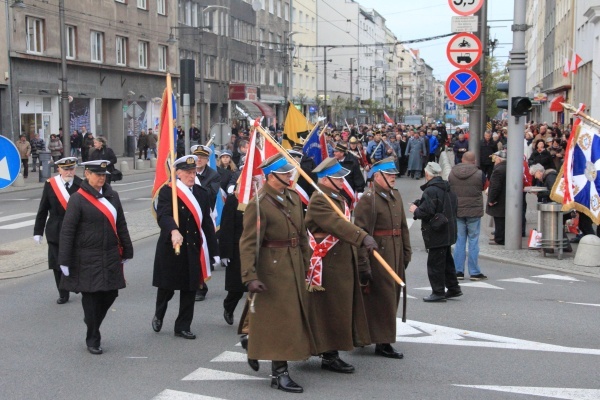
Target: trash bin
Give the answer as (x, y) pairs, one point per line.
(552, 228)
(45, 165)
(130, 146)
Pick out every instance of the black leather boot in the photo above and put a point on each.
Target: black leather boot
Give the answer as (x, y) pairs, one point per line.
(280, 378)
(251, 362)
(333, 362)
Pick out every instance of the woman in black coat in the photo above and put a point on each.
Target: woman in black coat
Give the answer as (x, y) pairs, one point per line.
(541, 156)
(103, 152)
(94, 245)
(229, 246)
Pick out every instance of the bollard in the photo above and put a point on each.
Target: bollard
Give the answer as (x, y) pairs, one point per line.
(588, 252)
(124, 166)
(153, 162)
(140, 164)
(19, 182)
(45, 161)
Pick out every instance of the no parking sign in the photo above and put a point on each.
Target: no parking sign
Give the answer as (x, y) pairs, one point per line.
(463, 86)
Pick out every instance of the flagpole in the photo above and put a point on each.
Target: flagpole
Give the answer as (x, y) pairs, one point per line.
(172, 155)
(291, 160)
(580, 114)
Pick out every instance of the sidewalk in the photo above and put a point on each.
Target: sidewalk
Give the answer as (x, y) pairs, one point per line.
(22, 257)
(530, 257)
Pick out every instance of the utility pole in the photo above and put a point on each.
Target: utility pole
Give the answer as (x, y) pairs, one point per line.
(478, 108)
(483, 72)
(64, 93)
(516, 127)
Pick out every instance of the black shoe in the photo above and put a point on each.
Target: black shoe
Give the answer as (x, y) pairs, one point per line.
(95, 350)
(254, 364)
(33, 170)
(200, 297)
(244, 342)
(434, 298)
(478, 277)
(62, 300)
(575, 240)
(388, 351)
(336, 364)
(283, 382)
(460, 276)
(450, 294)
(228, 317)
(185, 334)
(156, 324)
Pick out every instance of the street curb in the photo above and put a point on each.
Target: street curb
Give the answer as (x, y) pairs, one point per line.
(505, 260)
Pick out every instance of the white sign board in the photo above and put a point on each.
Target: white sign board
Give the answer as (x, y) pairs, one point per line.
(464, 24)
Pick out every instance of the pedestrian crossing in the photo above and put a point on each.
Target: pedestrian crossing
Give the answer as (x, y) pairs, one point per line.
(16, 225)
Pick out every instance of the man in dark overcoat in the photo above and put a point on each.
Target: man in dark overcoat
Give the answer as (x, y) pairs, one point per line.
(380, 212)
(195, 236)
(496, 206)
(55, 197)
(278, 327)
(337, 314)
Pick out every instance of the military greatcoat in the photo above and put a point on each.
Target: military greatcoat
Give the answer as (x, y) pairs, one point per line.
(337, 314)
(380, 212)
(279, 327)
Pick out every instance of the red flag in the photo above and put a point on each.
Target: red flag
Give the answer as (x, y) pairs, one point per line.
(165, 143)
(258, 150)
(323, 144)
(575, 63)
(387, 118)
(566, 67)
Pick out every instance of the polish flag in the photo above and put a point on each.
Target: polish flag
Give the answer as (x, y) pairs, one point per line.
(575, 63)
(566, 68)
(387, 118)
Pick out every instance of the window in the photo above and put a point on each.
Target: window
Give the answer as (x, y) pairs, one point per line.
(143, 54)
(35, 35)
(121, 48)
(271, 6)
(97, 46)
(261, 37)
(279, 8)
(120, 1)
(70, 37)
(162, 58)
(161, 8)
(263, 76)
(286, 11)
(271, 40)
(142, 4)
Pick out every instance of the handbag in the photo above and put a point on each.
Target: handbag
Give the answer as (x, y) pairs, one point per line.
(439, 220)
(116, 175)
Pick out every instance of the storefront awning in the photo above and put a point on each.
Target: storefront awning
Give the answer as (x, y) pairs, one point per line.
(256, 109)
(555, 105)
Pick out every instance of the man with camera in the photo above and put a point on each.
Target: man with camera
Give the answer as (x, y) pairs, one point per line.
(437, 210)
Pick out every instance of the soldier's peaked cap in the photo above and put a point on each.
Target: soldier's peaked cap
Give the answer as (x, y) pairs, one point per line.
(387, 166)
(186, 162)
(67, 162)
(331, 168)
(277, 164)
(201, 150)
(97, 166)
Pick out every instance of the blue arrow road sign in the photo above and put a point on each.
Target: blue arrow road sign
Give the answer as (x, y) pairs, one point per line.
(463, 86)
(10, 162)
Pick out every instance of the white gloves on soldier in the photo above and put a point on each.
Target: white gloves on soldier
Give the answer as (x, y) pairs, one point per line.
(37, 239)
(65, 270)
(225, 262)
(217, 261)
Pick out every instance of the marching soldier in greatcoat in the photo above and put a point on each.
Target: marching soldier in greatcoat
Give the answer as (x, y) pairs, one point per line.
(337, 314)
(196, 237)
(55, 196)
(380, 212)
(278, 327)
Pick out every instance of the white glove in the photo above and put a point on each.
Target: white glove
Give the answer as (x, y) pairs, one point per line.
(230, 189)
(65, 270)
(124, 260)
(225, 262)
(360, 194)
(38, 239)
(217, 261)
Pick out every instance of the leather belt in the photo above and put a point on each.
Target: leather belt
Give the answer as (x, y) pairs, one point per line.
(387, 232)
(293, 242)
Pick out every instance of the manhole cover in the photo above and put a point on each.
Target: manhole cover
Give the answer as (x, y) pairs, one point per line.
(6, 252)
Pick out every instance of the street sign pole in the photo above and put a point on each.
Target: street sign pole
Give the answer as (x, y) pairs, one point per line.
(477, 113)
(516, 128)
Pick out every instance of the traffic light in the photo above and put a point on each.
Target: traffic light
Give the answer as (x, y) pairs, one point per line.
(520, 106)
(502, 103)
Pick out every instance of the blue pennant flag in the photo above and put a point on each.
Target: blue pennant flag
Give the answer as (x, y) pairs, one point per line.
(217, 212)
(312, 147)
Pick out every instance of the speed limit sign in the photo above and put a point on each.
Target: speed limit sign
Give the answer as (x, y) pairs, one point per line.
(465, 7)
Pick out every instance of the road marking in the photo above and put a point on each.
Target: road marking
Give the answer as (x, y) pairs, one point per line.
(438, 334)
(409, 222)
(169, 394)
(555, 393)
(15, 199)
(482, 285)
(231, 356)
(584, 304)
(557, 277)
(205, 374)
(16, 216)
(520, 280)
(135, 358)
(144, 199)
(130, 183)
(18, 225)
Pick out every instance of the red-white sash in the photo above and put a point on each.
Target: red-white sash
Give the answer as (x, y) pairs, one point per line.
(350, 192)
(185, 194)
(314, 278)
(104, 206)
(60, 190)
(301, 192)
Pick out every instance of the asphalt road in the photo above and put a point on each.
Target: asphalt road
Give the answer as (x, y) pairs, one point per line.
(524, 333)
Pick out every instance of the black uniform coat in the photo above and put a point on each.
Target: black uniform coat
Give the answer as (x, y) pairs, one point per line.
(497, 191)
(89, 246)
(355, 178)
(232, 225)
(50, 205)
(181, 272)
(211, 181)
(437, 198)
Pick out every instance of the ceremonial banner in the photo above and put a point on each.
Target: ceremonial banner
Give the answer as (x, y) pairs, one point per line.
(221, 196)
(387, 118)
(295, 127)
(578, 183)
